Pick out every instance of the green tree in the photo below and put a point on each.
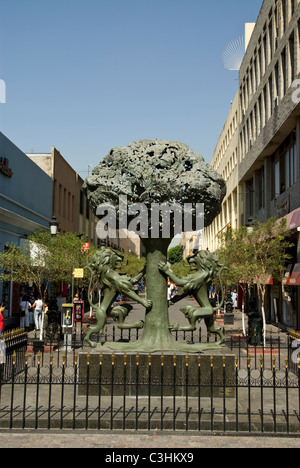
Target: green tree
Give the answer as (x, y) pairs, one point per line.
(175, 255)
(43, 259)
(252, 255)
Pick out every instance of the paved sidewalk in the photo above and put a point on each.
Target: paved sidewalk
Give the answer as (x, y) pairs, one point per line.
(180, 442)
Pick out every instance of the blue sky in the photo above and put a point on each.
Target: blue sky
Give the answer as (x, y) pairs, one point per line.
(89, 75)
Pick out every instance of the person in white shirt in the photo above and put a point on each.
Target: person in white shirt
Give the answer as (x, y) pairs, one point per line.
(38, 311)
(25, 307)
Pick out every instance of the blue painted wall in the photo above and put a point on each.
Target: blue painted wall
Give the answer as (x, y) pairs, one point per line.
(29, 186)
(25, 199)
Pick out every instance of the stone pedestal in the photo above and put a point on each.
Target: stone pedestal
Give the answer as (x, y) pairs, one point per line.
(156, 374)
(229, 318)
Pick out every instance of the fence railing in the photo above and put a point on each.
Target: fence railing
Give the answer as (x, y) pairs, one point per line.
(112, 395)
(276, 344)
(250, 389)
(13, 346)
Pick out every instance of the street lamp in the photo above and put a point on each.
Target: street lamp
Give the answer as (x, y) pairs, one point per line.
(53, 224)
(249, 225)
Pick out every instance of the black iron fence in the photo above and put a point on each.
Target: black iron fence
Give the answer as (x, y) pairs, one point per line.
(251, 389)
(13, 347)
(272, 344)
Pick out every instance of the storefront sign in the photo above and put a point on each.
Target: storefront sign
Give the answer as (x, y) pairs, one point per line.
(78, 273)
(4, 167)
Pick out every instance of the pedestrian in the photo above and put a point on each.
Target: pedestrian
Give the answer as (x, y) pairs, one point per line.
(234, 298)
(2, 309)
(170, 293)
(38, 305)
(24, 309)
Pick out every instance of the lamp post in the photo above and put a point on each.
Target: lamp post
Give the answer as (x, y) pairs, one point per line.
(249, 225)
(53, 225)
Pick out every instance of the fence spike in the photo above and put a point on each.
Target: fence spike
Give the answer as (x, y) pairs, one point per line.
(236, 362)
(187, 358)
(286, 362)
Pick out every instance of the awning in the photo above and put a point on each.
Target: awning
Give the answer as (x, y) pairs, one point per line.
(267, 280)
(295, 276)
(294, 220)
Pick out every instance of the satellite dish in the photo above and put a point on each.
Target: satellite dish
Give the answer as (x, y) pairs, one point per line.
(233, 54)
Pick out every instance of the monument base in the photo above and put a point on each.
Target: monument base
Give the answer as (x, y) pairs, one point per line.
(228, 319)
(168, 374)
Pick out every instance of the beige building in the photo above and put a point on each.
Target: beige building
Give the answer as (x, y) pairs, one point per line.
(258, 152)
(269, 138)
(70, 206)
(225, 162)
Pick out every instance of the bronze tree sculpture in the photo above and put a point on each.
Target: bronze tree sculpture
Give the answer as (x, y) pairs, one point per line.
(152, 173)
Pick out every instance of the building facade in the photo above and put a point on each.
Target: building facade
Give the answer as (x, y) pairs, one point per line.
(258, 152)
(225, 162)
(69, 205)
(269, 137)
(25, 207)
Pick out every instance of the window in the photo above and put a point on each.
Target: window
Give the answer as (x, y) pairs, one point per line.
(265, 53)
(271, 99)
(276, 190)
(255, 81)
(293, 6)
(261, 188)
(81, 202)
(284, 14)
(87, 209)
(285, 166)
(265, 116)
(292, 58)
(283, 71)
(260, 63)
(271, 39)
(291, 165)
(260, 114)
(250, 193)
(276, 76)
